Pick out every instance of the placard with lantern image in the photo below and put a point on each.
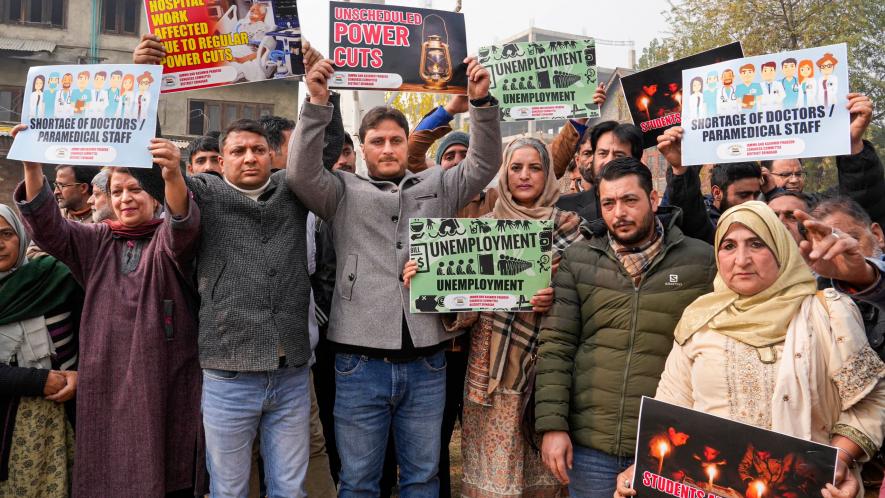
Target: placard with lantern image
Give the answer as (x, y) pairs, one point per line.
(543, 80)
(654, 96)
(687, 453)
(478, 264)
(391, 47)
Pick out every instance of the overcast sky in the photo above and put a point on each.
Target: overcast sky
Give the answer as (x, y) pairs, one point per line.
(491, 20)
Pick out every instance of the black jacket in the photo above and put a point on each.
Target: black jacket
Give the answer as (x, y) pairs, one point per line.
(585, 203)
(861, 178)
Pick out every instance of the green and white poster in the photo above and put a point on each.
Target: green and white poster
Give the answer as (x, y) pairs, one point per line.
(478, 264)
(543, 80)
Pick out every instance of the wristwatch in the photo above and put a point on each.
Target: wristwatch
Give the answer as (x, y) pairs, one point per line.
(488, 99)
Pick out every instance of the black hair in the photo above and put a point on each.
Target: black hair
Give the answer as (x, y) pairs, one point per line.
(625, 166)
(242, 125)
(382, 113)
(769, 163)
(205, 143)
(725, 174)
(804, 198)
(844, 205)
(82, 174)
(624, 132)
(274, 127)
(348, 140)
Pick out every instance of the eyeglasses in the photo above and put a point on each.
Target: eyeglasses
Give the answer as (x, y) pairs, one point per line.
(785, 176)
(826, 66)
(7, 234)
(62, 186)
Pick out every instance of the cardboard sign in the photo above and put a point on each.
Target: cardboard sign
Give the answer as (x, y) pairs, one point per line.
(686, 453)
(387, 47)
(654, 96)
(212, 43)
(779, 106)
(543, 80)
(93, 115)
(478, 264)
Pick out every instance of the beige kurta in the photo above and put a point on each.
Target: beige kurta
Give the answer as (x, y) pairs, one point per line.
(830, 384)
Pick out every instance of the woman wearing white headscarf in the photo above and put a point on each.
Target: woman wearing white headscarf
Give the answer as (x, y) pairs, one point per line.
(39, 317)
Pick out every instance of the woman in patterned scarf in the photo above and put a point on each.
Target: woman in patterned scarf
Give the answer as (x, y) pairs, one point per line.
(498, 459)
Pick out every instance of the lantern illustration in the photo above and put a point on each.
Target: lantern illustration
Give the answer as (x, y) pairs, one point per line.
(436, 62)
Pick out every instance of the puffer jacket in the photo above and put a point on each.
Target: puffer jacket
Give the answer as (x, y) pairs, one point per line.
(605, 341)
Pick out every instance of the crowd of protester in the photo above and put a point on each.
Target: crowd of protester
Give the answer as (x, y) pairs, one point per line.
(240, 327)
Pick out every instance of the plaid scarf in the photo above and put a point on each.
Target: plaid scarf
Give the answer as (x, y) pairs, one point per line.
(637, 259)
(513, 337)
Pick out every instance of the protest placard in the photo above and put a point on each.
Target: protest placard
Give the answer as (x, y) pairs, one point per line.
(95, 115)
(690, 454)
(654, 96)
(388, 47)
(543, 80)
(213, 43)
(777, 106)
(478, 264)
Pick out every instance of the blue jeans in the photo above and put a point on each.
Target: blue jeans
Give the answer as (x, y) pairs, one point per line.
(371, 395)
(235, 406)
(594, 474)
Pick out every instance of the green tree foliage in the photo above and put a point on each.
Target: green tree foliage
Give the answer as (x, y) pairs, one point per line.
(769, 26)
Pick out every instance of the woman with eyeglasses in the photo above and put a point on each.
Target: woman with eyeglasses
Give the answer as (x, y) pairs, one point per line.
(139, 430)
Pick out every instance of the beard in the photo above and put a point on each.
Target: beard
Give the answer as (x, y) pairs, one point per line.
(724, 204)
(643, 231)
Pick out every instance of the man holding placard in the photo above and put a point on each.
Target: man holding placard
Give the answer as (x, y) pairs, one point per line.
(390, 364)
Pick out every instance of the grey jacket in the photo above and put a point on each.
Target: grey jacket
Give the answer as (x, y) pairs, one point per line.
(370, 226)
(252, 275)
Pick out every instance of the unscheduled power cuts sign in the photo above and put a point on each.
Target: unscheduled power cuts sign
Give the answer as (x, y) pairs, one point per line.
(478, 264)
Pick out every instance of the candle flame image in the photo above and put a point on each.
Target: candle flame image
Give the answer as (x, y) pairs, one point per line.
(711, 472)
(760, 489)
(663, 448)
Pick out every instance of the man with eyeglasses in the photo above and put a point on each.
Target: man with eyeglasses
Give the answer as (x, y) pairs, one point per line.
(785, 174)
(72, 188)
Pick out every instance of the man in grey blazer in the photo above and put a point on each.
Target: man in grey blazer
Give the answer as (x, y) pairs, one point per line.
(390, 366)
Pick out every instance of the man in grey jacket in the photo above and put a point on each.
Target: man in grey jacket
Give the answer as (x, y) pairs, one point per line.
(390, 365)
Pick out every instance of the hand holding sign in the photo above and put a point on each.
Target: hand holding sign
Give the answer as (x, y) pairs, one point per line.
(860, 108)
(478, 79)
(149, 51)
(409, 271)
(670, 146)
(317, 81)
(623, 489)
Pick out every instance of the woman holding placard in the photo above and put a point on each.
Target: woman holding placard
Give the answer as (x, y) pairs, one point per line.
(767, 349)
(498, 458)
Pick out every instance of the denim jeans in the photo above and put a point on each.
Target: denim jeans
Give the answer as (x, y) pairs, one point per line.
(235, 406)
(594, 473)
(373, 395)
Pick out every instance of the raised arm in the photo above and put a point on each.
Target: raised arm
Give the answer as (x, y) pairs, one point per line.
(319, 189)
(463, 182)
(433, 126)
(861, 175)
(684, 188)
(562, 148)
(74, 244)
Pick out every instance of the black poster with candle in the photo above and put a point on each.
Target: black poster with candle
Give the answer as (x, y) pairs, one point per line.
(391, 47)
(690, 454)
(654, 96)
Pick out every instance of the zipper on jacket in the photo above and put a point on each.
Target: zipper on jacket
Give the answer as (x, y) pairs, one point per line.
(633, 320)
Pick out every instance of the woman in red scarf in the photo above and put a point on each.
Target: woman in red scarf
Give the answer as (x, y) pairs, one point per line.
(138, 394)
